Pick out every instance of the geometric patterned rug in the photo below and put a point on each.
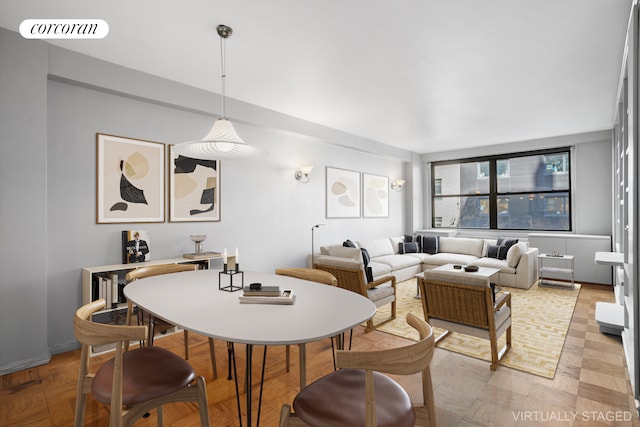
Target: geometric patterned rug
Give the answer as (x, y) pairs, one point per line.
(540, 319)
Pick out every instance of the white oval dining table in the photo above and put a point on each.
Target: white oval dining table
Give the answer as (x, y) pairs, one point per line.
(192, 300)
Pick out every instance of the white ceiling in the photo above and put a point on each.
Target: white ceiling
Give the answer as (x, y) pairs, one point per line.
(424, 75)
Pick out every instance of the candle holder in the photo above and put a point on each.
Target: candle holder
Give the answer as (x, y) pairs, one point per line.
(229, 276)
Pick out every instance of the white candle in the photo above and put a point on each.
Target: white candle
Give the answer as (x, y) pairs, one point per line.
(237, 257)
(224, 256)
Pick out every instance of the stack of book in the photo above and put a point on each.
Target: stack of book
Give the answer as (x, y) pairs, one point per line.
(266, 295)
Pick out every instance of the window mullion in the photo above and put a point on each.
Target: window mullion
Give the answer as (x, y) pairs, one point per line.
(493, 191)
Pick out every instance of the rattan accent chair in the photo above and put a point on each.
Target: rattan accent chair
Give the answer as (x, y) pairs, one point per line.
(350, 275)
(157, 325)
(359, 394)
(133, 382)
(463, 303)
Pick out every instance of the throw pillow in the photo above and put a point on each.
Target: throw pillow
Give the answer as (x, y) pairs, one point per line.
(409, 238)
(431, 244)
(349, 244)
(505, 246)
(492, 251)
(408, 247)
(368, 272)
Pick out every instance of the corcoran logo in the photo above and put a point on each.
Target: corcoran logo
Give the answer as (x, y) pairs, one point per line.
(64, 29)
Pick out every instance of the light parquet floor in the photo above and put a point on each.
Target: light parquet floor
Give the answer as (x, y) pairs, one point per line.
(590, 388)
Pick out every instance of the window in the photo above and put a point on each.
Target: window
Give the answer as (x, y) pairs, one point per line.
(521, 191)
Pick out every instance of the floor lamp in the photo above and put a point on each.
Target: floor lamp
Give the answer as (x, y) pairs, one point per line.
(313, 229)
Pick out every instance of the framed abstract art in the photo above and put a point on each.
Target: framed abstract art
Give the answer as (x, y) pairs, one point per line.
(130, 180)
(343, 193)
(375, 196)
(194, 189)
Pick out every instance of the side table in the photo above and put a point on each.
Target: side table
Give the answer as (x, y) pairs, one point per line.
(562, 264)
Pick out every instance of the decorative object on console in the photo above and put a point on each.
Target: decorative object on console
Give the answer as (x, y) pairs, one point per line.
(343, 193)
(470, 268)
(194, 188)
(375, 196)
(130, 180)
(303, 173)
(199, 253)
(135, 246)
(397, 184)
(222, 141)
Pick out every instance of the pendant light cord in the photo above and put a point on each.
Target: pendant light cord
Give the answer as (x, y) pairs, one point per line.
(223, 75)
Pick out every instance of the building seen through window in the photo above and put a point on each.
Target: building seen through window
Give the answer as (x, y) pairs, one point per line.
(523, 191)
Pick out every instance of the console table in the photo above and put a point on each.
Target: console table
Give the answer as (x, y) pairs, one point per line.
(108, 282)
(562, 264)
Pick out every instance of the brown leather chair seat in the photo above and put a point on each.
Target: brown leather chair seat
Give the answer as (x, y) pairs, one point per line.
(338, 399)
(148, 372)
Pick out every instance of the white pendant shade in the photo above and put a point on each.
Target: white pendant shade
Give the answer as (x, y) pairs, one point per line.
(222, 142)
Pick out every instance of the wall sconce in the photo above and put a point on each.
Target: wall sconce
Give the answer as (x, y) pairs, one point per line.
(302, 174)
(397, 185)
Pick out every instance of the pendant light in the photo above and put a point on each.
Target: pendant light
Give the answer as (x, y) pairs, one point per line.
(222, 141)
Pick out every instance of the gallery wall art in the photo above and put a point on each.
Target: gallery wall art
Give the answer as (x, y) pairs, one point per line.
(194, 189)
(375, 196)
(343, 193)
(130, 180)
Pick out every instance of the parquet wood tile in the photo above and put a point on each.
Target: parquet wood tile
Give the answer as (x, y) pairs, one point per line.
(591, 383)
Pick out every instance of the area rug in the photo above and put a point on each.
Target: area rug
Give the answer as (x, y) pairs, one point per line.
(540, 320)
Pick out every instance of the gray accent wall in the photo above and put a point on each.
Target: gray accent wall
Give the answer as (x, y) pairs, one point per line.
(53, 103)
(23, 202)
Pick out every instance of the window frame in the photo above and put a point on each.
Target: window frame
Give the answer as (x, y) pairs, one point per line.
(494, 196)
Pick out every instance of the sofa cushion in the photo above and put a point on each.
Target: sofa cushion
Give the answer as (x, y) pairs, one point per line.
(395, 243)
(379, 269)
(448, 258)
(378, 247)
(430, 244)
(397, 262)
(495, 263)
(515, 253)
(344, 252)
(462, 245)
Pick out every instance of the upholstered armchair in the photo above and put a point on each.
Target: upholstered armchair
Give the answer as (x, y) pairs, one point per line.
(464, 303)
(349, 271)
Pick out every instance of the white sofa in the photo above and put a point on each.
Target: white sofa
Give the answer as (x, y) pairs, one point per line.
(518, 270)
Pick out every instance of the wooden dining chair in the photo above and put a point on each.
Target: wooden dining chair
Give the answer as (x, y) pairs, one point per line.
(359, 394)
(155, 324)
(312, 275)
(133, 382)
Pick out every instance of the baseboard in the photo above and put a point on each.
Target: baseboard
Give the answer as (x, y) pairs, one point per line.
(24, 364)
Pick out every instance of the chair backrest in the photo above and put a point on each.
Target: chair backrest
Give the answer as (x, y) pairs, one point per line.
(457, 297)
(155, 270)
(348, 272)
(89, 333)
(407, 360)
(311, 274)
